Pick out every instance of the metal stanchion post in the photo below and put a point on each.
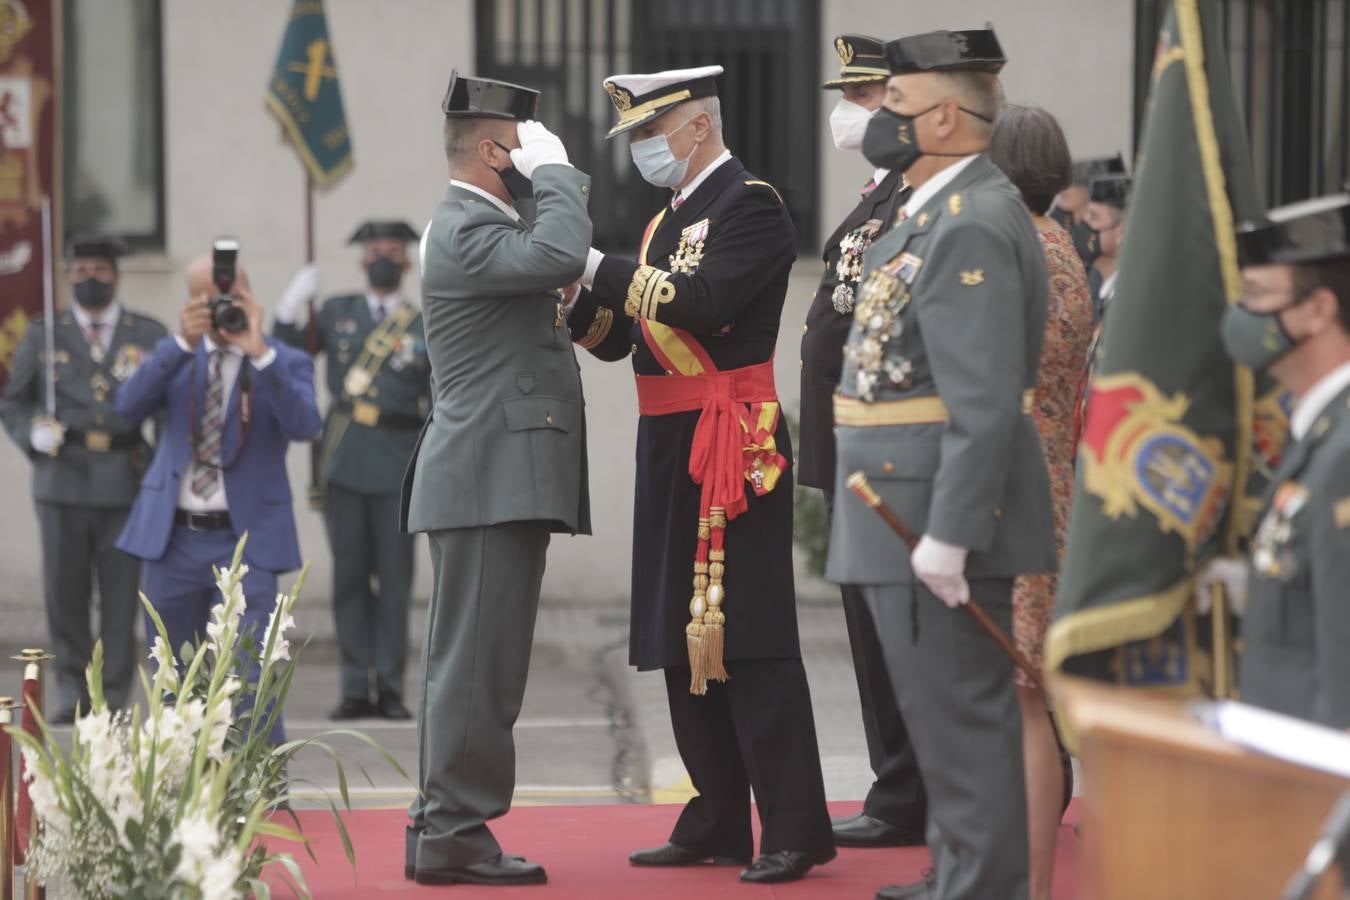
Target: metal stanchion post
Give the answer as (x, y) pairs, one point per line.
(26, 824)
(7, 707)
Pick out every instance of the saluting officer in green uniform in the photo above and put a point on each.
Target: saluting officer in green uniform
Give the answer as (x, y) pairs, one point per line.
(380, 382)
(87, 467)
(939, 370)
(1294, 322)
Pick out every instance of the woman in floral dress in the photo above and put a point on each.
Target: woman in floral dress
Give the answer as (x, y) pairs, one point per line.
(1028, 145)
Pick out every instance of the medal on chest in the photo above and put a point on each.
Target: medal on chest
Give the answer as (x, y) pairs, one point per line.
(128, 360)
(1272, 555)
(848, 269)
(882, 301)
(689, 253)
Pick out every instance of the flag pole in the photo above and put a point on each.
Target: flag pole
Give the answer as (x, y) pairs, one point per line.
(312, 326)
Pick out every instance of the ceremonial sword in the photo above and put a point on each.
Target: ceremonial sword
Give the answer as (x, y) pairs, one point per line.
(858, 484)
(49, 314)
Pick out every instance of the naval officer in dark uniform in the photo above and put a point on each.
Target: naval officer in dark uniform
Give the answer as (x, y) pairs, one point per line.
(893, 813)
(713, 599)
(1294, 322)
(940, 369)
(380, 381)
(87, 467)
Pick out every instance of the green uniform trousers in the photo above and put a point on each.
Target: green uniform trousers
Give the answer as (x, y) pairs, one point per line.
(480, 627)
(372, 586)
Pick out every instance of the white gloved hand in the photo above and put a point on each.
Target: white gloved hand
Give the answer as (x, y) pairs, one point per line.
(942, 567)
(303, 288)
(538, 147)
(593, 259)
(1232, 575)
(46, 438)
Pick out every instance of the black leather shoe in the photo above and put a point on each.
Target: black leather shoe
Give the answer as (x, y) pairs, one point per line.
(353, 708)
(500, 870)
(918, 890)
(675, 855)
(390, 706)
(864, 831)
(784, 865)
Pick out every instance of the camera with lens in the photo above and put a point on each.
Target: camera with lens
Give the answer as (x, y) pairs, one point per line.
(226, 315)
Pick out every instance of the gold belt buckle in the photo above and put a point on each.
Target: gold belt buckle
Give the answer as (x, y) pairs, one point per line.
(97, 441)
(367, 414)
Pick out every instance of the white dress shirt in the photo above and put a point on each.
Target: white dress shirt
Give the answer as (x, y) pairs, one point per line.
(1109, 286)
(494, 200)
(594, 257)
(930, 188)
(230, 365)
(1316, 399)
(386, 304)
(107, 319)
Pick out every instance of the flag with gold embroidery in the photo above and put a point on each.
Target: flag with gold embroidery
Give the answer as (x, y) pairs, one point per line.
(304, 95)
(1176, 437)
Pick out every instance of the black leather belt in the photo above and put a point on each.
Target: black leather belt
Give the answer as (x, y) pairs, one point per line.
(368, 414)
(203, 521)
(103, 441)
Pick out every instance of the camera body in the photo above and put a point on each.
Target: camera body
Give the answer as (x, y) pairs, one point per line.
(226, 315)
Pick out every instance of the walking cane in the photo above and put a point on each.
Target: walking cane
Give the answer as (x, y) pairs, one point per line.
(858, 484)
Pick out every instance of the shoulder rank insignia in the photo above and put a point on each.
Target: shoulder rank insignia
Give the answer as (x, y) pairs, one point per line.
(972, 277)
(689, 253)
(954, 204)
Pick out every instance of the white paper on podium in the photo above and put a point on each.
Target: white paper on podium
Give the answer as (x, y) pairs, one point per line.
(1284, 737)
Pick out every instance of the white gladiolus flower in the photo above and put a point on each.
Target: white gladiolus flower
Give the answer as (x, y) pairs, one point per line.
(221, 873)
(280, 622)
(166, 666)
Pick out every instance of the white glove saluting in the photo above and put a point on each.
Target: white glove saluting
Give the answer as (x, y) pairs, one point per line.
(304, 287)
(46, 438)
(538, 147)
(1232, 575)
(942, 567)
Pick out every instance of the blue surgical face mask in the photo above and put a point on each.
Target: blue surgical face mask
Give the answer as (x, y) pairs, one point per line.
(656, 162)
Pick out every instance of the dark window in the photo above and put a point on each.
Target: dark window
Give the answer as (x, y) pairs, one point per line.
(1291, 71)
(769, 91)
(112, 120)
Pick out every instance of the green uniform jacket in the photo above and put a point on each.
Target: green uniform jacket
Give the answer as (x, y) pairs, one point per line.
(952, 305)
(78, 476)
(1296, 630)
(506, 441)
(369, 460)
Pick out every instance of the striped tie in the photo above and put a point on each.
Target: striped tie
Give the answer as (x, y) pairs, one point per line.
(677, 201)
(869, 187)
(206, 475)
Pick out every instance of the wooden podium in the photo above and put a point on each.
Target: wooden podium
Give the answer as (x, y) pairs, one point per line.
(1172, 811)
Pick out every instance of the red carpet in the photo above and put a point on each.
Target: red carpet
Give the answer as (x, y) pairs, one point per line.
(585, 850)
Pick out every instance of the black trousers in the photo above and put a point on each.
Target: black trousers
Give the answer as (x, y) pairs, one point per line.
(897, 796)
(755, 731)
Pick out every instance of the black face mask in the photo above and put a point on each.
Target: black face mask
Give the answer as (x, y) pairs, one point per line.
(1087, 242)
(93, 294)
(384, 273)
(516, 184)
(892, 140)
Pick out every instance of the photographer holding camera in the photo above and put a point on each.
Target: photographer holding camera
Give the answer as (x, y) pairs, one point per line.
(232, 401)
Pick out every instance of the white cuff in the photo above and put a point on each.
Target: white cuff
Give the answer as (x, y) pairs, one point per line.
(284, 316)
(593, 259)
(266, 359)
(182, 343)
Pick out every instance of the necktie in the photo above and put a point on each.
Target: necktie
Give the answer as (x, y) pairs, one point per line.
(94, 333)
(378, 313)
(678, 201)
(869, 187)
(206, 475)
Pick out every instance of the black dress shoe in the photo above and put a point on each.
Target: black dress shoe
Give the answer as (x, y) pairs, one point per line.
(918, 890)
(390, 706)
(864, 831)
(353, 708)
(784, 865)
(500, 870)
(675, 855)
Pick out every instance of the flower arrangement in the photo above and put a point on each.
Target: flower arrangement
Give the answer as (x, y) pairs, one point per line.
(180, 801)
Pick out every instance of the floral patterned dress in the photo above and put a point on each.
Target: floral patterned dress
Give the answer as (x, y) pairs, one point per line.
(1064, 357)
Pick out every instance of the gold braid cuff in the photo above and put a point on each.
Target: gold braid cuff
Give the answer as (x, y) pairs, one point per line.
(649, 289)
(599, 330)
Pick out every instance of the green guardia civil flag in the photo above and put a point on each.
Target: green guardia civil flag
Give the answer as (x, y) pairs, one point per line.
(303, 93)
(1166, 461)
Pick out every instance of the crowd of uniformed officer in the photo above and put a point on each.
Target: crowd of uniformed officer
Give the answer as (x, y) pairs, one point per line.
(919, 349)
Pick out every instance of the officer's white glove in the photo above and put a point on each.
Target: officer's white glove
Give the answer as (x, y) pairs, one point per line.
(46, 437)
(303, 288)
(538, 147)
(942, 567)
(1232, 575)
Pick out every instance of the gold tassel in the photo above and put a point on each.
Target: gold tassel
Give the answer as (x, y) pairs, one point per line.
(695, 633)
(714, 621)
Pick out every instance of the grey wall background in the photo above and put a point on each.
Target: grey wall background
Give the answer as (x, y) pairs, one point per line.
(228, 171)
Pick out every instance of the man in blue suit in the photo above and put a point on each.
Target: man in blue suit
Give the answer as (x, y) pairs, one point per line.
(231, 402)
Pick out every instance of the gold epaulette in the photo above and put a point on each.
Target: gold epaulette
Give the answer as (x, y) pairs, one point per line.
(769, 186)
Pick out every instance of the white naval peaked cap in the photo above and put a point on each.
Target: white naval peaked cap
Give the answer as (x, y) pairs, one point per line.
(642, 97)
